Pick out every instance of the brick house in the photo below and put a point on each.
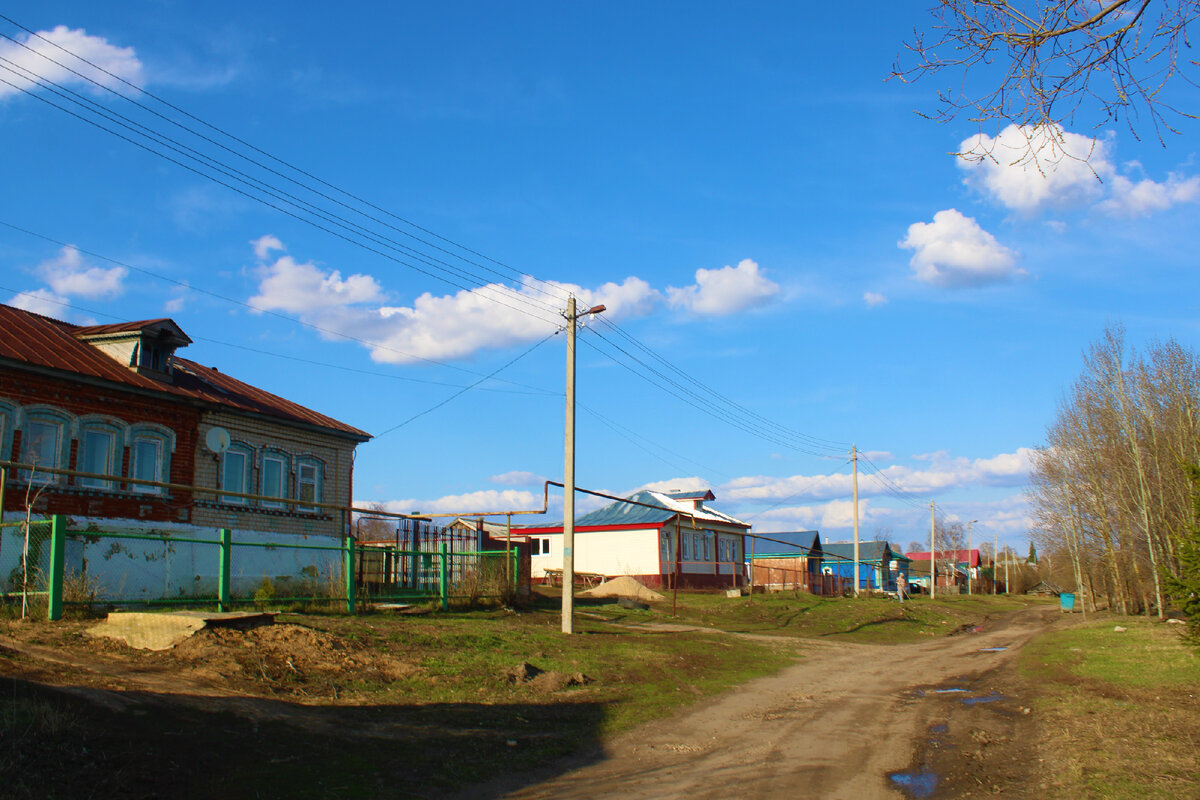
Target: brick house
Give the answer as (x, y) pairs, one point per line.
(116, 401)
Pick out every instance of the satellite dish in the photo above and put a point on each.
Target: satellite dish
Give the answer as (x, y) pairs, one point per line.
(217, 440)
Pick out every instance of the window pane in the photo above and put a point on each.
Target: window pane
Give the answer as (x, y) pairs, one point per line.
(146, 465)
(307, 484)
(39, 446)
(272, 477)
(97, 456)
(233, 475)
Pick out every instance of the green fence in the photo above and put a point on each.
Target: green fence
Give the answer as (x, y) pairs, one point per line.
(363, 573)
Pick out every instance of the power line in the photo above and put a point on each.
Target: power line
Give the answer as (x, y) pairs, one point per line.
(251, 146)
(250, 306)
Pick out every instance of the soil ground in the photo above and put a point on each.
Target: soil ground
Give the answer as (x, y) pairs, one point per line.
(840, 723)
(837, 726)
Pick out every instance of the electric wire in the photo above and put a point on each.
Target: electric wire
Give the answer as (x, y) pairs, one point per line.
(348, 231)
(255, 149)
(250, 306)
(737, 415)
(465, 389)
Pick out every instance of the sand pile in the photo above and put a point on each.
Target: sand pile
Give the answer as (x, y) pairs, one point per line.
(624, 586)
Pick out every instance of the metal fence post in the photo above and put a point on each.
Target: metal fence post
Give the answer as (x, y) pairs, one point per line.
(444, 577)
(224, 561)
(58, 536)
(349, 550)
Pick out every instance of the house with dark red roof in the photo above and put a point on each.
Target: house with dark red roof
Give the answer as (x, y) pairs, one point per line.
(662, 539)
(142, 424)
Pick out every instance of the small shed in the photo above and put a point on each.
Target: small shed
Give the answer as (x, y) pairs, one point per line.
(1044, 589)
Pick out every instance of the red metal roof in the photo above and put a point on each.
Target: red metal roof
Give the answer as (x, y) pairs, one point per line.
(41, 341)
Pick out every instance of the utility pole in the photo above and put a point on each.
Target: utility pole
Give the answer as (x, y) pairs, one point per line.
(1007, 585)
(995, 552)
(568, 594)
(854, 461)
(969, 568)
(932, 554)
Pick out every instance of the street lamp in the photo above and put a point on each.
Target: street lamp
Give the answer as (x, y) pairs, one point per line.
(568, 573)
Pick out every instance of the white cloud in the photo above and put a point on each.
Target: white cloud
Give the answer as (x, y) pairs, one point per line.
(518, 478)
(1028, 168)
(67, 274)
(468, 503)
(434, 326)
(942, 473)
(954, 252)
(692, 484)
(1129, 199)
(41, 301)
(35, 57)
(727, 290)
(834, 515)
(873, 299)
(287, 285)
(264, 245)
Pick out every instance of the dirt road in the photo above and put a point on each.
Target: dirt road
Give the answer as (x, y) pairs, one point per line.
(833, 726)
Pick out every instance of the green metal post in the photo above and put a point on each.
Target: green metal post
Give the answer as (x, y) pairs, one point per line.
(514, 569)
(349, 574)
(444, 578)
(224, 560)
(58, 537)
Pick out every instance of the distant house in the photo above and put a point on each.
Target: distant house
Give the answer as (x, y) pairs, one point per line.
(879, 564)
(1044, 589)
(953, 567)
(116, 401)
(789, 560)
(660, 538)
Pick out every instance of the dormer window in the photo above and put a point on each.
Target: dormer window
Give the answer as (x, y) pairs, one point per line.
(145, 347)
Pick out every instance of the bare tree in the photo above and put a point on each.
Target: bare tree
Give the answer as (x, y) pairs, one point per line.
(1039, 64)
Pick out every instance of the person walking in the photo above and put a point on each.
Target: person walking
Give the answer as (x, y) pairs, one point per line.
(901, 585)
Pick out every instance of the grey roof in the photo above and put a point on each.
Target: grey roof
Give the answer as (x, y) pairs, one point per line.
(867, 551)
(663, 508)
(788, 542)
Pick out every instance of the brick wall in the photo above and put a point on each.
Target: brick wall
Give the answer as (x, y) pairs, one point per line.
(336, 453)
(78, 399)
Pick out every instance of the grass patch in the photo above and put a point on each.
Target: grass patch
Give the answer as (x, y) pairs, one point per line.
(1117, 711)
(876, 620)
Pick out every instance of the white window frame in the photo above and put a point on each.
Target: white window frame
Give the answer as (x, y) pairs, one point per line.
(87, 438)
(317, 482)
(135, 462)
(247, 456)
(53, 418)
(163, 439)
(281, 487)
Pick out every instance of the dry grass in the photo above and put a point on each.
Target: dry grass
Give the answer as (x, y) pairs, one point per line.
(1119, 712)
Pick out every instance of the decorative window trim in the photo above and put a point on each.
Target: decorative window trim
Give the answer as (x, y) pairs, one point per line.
(161, 435)
(285, 474)
(8, 424)
(247, 453)
(50, 416)
(117, 432)
(318, 464)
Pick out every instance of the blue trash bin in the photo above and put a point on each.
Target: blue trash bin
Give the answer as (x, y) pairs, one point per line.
(1066, 601)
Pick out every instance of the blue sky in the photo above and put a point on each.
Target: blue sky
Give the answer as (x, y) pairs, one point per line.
(755, 205)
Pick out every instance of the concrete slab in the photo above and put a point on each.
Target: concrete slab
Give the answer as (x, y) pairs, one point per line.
(164, 630)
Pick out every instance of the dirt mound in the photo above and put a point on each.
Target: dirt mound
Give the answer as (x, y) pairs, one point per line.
(285, 659)
(544, 681)
(624, 586)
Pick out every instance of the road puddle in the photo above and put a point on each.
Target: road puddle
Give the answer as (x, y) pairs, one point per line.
(992, 649)
(991, 697)
(917, 785)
